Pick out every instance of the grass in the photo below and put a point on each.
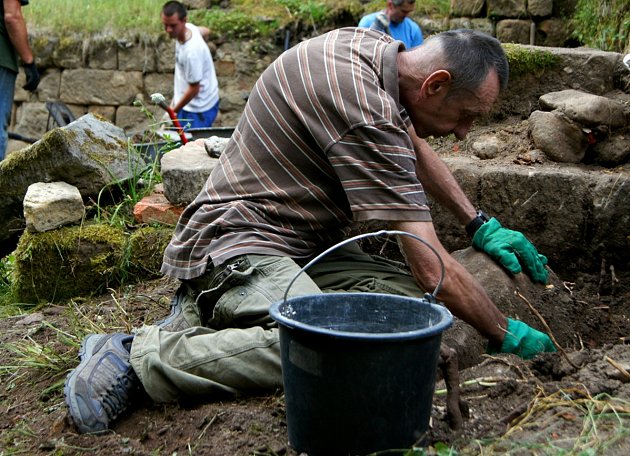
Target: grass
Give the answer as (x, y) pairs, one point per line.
(49, 352)
(605, 422)
(141, 183)
(603, 24)
(95, 16)
(243, 18)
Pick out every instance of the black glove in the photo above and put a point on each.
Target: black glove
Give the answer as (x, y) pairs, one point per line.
(32, 77)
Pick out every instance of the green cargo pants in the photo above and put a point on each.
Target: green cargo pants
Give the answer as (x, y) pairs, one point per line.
(232, 344)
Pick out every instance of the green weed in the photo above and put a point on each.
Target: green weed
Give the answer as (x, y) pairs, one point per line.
(126, 193)
(603, 24)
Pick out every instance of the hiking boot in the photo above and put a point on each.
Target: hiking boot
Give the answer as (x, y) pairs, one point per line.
(176, 321)
(103, 385)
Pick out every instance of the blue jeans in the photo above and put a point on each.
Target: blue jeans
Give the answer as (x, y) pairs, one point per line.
(198, 119)
(7, 88)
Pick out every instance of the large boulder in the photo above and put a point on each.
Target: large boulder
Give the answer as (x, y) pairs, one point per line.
(75, 261)
(561, 139)
(574, 215)
(89, 153)
(185, 171)
(586, 108)
(518, 298)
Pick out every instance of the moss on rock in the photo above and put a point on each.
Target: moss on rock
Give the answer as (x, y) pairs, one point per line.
(72, 261)
(526, 61)
(146, 248)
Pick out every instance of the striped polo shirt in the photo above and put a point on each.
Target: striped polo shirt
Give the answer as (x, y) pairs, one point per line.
(322, 143)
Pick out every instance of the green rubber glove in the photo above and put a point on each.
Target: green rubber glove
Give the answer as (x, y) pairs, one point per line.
(525, 341)
(511, 249)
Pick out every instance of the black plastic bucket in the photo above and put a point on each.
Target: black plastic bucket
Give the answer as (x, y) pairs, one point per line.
(358, 370)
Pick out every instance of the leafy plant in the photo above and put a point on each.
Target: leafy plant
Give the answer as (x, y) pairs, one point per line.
(234, 24)
(603, 24)
(140, 184)
(305, 10)
(6, 271)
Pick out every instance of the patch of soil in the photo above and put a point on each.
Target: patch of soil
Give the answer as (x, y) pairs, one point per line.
(519, 404)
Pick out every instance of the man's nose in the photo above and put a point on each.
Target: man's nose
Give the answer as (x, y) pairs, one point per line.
(462, 129)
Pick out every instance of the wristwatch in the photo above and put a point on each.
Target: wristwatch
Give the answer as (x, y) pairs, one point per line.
(475, 223)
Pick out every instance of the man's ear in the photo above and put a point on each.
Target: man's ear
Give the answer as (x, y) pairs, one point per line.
(437, 83)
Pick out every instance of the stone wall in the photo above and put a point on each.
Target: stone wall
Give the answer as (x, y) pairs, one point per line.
(105, 74)
(535, 22)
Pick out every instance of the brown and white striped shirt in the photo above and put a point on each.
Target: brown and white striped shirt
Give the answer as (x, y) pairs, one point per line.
(322, 142)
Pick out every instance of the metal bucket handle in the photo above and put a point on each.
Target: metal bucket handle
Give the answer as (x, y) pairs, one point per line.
(430, 297)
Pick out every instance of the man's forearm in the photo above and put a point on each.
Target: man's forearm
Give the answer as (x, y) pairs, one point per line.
(440, 183)
(191, 92)
(16, 28)
(460, 292)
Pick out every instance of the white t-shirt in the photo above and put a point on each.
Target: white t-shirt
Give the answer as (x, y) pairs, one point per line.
(193, 63)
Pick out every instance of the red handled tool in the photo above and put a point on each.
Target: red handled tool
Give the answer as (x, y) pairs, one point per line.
(160, 100)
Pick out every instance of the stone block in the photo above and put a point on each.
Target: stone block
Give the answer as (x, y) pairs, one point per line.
(553, 32)
(185, 171)
(155, 208)
(101, 52)
(31, 120)
(106, 112)
(544, 204)
(589, 70)
(43, 45)
(483, 25)
(133, 120)
(514, 31)
(138, 55)
(586, 108)
(159, 83)
(68, 262)
(69, 51)
(467, 8)
(507, 8)
(565, 210)
(100, 87)
(89, 153)
(48, 88)
(561, 139)
(540, 8)
(47, 206)
(165, 56)
(432, 25)
(610, 220)
(225, 68)
(146, 249)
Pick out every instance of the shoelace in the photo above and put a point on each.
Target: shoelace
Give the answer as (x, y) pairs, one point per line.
(117, 396)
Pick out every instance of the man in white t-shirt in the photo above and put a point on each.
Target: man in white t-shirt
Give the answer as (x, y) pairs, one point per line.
(196, 91)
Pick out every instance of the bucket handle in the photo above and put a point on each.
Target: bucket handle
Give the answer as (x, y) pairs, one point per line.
(428, 296)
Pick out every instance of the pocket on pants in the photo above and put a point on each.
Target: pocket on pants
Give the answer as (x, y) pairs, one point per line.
(220, 281)
(242, 306)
